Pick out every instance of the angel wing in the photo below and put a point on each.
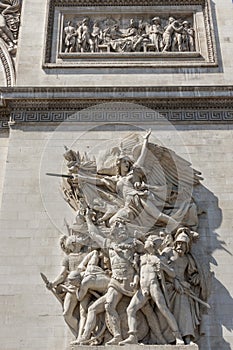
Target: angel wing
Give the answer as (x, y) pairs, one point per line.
(107, 159)
(129, 142)
(163, 166)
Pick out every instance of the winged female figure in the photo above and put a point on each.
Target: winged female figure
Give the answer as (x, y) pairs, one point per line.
(151, 186)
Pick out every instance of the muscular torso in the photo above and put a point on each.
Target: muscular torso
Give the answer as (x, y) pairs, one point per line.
(148, 273)
(72, 261)
(121, 263)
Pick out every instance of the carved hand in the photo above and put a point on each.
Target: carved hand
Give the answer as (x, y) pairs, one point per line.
(195, 279)
(88, 215)
(137, 185)
(146, 137)
(49, 285)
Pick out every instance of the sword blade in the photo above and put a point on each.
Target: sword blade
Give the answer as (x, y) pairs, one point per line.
(60, 175)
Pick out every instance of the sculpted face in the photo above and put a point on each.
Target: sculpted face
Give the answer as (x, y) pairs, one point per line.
(124, 166)
(119, 231)
(72, 244)
(148, 243)
(181, 247)
(152, 243)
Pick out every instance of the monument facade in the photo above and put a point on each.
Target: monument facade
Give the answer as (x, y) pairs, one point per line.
(115, 180)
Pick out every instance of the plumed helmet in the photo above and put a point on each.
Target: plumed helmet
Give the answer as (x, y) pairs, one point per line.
(156, 19)
(183, 237)
(183, 234)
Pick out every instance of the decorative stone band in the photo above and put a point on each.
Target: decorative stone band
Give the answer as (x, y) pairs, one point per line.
(7, 63)
(138, 347)
(182, 105)
(203, 116)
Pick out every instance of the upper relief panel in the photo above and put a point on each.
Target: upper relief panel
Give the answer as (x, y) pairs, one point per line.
(10, 11)
(153, 33)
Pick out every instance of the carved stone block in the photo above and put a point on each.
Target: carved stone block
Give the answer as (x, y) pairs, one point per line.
(130, 273)
(172, 34)
(138, 347)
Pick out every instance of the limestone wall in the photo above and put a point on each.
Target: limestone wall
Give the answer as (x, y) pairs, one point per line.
(3, 160)
(32, 44)
(32, 221)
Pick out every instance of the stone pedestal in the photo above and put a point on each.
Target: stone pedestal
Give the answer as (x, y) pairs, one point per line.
(136, 347)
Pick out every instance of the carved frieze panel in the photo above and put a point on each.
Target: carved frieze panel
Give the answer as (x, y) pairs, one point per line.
(138, 34)
(10, 12)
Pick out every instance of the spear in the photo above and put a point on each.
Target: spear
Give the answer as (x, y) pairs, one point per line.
(60, 175)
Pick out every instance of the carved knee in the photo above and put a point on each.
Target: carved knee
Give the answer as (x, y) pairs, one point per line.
(108, 307)
(66, 313)
(83, 313)
(131, 311)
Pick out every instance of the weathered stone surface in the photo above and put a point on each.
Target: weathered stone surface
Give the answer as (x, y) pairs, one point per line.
(30, 240)
(138, 347)
(30, 72)
(196, 99)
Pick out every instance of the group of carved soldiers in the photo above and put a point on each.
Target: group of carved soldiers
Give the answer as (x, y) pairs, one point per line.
(128, 256)
(158, 269)
(86, 37)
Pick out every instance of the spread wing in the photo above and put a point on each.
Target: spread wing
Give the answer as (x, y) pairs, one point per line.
(106, 159)
(163, 166)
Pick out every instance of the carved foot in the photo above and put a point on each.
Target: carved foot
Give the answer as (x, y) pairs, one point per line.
(179, 341)
(114, 341)
(82, 340)
(132, 339)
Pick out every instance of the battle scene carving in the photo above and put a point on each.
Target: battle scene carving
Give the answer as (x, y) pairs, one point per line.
(10, 11)
(9, 23)
(131, 273)
(152, 34)
(157, 34)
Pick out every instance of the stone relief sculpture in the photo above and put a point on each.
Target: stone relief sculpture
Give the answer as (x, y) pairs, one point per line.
(10, 11)
(139, 35)
(9, 23)
(129, 253)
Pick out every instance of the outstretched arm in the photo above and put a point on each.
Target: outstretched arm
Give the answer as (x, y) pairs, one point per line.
(93, 232)
(95, 180)
(91, 257)
(141, 159)
(169, 271)
(91, 180)
(59, 279)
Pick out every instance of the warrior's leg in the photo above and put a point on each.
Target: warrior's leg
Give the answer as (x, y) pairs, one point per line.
(136, 303)
(69, 305)
(112, 299)
(83, 313)
(159, 299)
(154, 212)
(96, 308)
(83, 289)
(153, 322)
(167, 42)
